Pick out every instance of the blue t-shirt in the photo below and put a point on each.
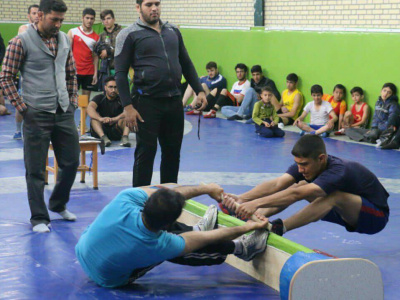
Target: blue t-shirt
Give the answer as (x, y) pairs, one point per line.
(350, 177)
(117, 242)
(218, 82)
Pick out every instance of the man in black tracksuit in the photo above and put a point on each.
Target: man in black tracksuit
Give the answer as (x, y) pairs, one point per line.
(156, 52)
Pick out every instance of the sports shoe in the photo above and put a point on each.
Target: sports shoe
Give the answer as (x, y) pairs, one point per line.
(106, 140)
(210, 115)
(277, 227)
(234, 118)
(188, 108)
(281, 125)
(125, 141)
(194, 112)
(253, 244)
(17, 136)
(209, 220)
(339, 132)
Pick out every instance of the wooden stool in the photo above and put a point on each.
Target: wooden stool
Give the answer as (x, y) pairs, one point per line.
(85, 146)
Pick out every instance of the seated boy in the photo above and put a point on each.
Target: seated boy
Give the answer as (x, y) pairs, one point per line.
(357, 116)
(107, 115)
(320, 111)
(232, 98)
(387, 114)
(338, 103)
(292, 101)
(265, 117)
(212, 84)
(245, 110)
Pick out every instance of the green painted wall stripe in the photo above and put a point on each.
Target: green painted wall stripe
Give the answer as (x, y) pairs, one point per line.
(274, 240)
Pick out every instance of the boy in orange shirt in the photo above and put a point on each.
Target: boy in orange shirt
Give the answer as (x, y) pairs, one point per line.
(337, 101)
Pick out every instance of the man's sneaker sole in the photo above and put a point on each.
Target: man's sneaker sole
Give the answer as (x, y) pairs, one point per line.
(209, 220)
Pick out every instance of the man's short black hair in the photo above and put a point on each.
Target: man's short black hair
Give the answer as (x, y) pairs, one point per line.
(88, 11)
(108, 79)
(357, 89)
(309, 146)
(340, 87)
(47, 6)
(163, 208)
(256, 69)
(292, 77)
(242, 67)
(105, 13)
(32, 6)
(211, 65)
(139, 2)
(391, 86)
(317, 89)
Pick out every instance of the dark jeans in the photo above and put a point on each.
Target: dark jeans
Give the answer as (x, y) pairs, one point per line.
(39, 129)
(163, 122)
(214, 254)
(269, 132)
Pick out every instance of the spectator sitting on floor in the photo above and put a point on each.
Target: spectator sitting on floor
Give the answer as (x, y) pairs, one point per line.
(357, 116)
(232, 98)
(265, 117)
(386, 115)
(212, 84)
(290, 106)
(338, 103)
(244, 111)
(107, 116)
(320, 111)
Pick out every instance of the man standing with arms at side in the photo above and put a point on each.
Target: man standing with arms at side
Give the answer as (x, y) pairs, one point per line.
(48, 102)
(156, 52)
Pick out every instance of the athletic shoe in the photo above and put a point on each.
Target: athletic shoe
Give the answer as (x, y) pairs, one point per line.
(125, 141)
(339, 132)
(277, 227)
(324, 134)
(234, 118)
(302, 132)
(210, 115)
(67, 215)
(106, 140)
(226, 210)
(188, 108)
(253, 244)
(209, 220)
(281, 125)
(194, 112)
(17, 136)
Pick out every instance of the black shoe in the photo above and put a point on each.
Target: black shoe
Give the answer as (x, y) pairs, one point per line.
(277, 227)
(392, 145)
(234, 118)
(102, 147)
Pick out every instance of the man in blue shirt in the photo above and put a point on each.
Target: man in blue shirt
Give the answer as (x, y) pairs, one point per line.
(138, 231)
(339, 191)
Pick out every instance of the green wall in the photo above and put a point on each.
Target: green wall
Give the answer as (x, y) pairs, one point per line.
(367, 60)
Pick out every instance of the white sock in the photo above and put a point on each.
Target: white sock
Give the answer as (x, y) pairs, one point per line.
(67, 215)
(41, 228)
(238, 247)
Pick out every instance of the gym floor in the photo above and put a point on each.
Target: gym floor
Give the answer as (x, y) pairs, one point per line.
(43, 266)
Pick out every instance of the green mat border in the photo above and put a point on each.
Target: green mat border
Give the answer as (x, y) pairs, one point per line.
(274, 240)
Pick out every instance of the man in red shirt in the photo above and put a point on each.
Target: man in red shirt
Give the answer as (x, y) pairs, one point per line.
(83, 39)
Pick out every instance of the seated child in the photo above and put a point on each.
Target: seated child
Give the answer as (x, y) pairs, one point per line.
(320, 112)
(357, 116)
(338, 103)
(265, 117)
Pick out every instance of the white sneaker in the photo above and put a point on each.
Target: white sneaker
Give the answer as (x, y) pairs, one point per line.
(69, 216)
(378, 143)
(281, 125)
(40, 228)
(253, 244)
(209, 219)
